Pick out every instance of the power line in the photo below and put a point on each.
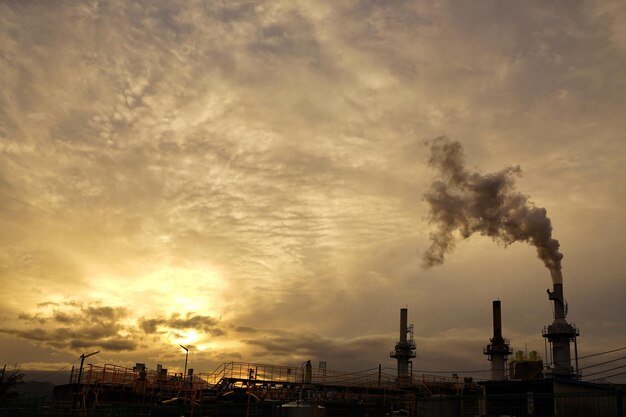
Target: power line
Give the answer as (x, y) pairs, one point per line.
(603, 363)
(545, 365)
(453, 372)
(602, 353)
(415, 371)
(57, 371)
(607, 370)
(609, 376)
(447, 372)
(371, 369)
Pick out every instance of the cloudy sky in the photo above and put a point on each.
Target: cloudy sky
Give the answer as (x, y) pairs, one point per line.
(248, 177)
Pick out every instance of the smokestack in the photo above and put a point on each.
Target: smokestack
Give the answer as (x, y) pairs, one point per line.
(404, 351)
(403, 324)
(559, 334)
(559, 301)
(499, 349)
(497, 320)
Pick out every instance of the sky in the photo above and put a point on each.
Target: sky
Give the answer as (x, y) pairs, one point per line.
(248, 178)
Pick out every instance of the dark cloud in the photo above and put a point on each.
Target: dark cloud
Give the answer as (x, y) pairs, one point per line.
(32, 318)
(47, 303)
(286, 347)
(114, 345)
(176, 321)
(37, 334)
(63, 317)
(150, 326)
(73, 325)
(246, 329)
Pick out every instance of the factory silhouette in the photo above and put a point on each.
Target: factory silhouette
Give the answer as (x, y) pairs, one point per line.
(519, 384)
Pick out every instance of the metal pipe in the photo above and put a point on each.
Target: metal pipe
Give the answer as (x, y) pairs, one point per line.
(560, 334)
(403, 324)
(497, 320)
(498, 349)
(559, 302)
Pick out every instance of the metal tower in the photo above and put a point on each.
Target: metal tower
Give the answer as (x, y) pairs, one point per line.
(404, 351)
(559, 334)
(499, 349)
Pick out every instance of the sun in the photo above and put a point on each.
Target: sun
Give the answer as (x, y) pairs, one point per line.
(188, 337)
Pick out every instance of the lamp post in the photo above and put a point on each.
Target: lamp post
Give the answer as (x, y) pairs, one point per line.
(82, 361)
(186, 356)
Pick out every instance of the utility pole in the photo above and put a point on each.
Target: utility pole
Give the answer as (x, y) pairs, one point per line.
(82, 361)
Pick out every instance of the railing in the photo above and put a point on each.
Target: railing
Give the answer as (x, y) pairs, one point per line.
(247, 373)
(243, 371)
(253, 371)
(353, 379)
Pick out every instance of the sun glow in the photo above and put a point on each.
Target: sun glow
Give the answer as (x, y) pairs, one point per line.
(187, 337)
(164, 290)
(209, 346)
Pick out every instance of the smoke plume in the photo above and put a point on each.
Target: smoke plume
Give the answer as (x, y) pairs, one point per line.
(463, 203)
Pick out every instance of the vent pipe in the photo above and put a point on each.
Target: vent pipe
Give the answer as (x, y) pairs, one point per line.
(499, 349)
(559, 334)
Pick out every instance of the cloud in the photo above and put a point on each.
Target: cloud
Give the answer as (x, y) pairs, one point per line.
(176, 321)
(108, 344)
(286, 347)
(74, 325)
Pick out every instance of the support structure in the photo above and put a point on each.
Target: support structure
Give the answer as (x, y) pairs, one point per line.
(404, 351)
(499, 349)
(559, 334)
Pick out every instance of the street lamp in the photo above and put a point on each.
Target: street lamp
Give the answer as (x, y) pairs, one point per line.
(82, 361)
(186, 356)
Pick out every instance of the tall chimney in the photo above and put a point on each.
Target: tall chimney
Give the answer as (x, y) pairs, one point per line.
(404, 351)
(499, 349)
(497, 320)
(559, 334)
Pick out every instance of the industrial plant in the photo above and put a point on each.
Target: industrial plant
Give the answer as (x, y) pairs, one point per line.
(519, 384)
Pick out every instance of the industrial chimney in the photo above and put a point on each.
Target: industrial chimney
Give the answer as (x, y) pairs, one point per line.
(405, 350)
(499, 349)
(559, 335)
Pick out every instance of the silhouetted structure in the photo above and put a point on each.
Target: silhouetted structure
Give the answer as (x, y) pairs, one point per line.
(499, 349)
(559, 334)
(404, 351)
